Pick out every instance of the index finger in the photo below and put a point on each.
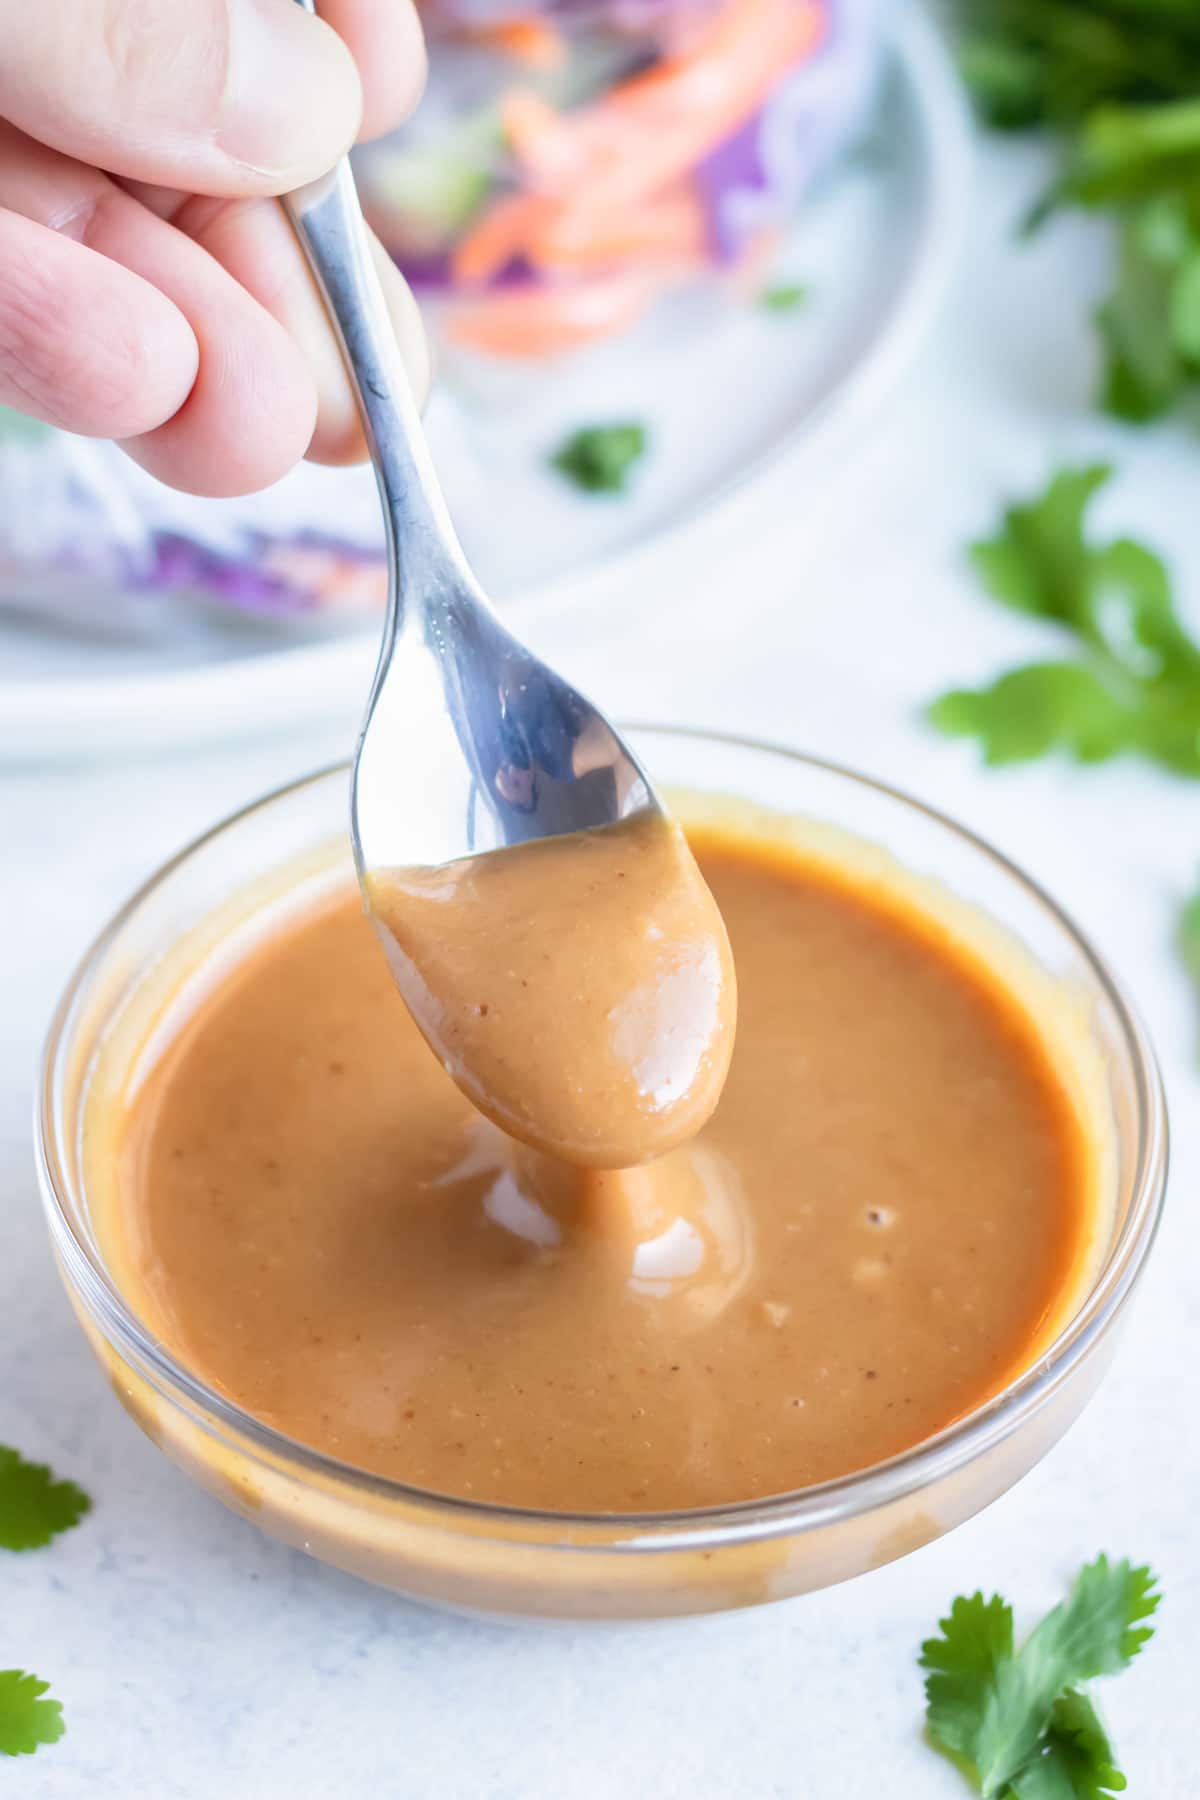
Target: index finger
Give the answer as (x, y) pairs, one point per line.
(387, 43)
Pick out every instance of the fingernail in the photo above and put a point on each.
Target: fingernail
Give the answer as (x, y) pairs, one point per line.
(292, 99)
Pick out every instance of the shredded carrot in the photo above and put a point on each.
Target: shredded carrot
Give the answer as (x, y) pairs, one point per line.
(539, 321)
(535, 42)
(610, 184)
(668, 231)
(540, 138)
(499, 236)
(651, 130)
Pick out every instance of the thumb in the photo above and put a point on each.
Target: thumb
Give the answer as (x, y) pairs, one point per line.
(212, 96)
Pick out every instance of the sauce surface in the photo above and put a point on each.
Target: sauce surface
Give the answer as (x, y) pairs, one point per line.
(579, 989)
(874, 1231)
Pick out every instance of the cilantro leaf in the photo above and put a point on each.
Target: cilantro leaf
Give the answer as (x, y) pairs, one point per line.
(1119, 80)
(1037, 561)
(1031, 711)
(1005, 81)
(1134, 683)
(1144, 373)
(1133, 152)
(34, 1507)
(1150, 323)
(965, 1663)
(1184, 305)
(26, 1720)
(1035, 62)
(1144, 162)
(1075, 1759)
(1099, 1629)
(1014, 1722)
(600, 458)
(1187, 937)
(785, 296)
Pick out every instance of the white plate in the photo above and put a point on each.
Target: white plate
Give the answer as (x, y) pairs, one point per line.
(723, 394)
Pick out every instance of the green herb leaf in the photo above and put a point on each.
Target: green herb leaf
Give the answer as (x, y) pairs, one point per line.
(1150, 323)
(26, 1720)
(34, 1507)
(1120, 79)
(1015, 1723)
(1032, 711)
(1146, 371)
(1133, 684)
(1038, 560)
(1144, 162)
(1184, 306)
(786, 296)
(1074, 1760)
(1005, 80)
(1034, 62)
(600, 458)
(1097, 1630)
(1133, 153)
(965, 1662)
(1188, 939)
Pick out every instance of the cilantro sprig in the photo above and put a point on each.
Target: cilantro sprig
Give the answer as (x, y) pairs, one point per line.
(1117, 80)
(1131, 683)
(784, 297)
(34, 1505)
(1018, 1723)
(1188, 939)
(1051, 62)
(601, 458)
(26, 1719)
(1143, 165)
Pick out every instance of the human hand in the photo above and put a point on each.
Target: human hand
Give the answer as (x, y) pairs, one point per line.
(151, 289)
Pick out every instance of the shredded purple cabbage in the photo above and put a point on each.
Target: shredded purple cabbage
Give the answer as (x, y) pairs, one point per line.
(758, 176)
(256, 579)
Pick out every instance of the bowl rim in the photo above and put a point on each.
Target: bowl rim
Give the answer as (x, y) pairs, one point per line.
(801, 1509)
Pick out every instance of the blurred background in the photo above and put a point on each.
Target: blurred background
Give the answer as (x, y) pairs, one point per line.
(675, 256)
(659, 244)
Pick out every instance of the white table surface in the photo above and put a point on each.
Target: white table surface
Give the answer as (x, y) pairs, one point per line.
(194, 1658)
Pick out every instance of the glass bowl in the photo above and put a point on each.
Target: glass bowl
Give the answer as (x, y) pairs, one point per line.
(517, 1563)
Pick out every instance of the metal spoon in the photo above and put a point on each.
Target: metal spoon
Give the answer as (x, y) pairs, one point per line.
(469, 741)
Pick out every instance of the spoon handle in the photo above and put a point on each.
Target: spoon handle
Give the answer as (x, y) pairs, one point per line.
(425, 557)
